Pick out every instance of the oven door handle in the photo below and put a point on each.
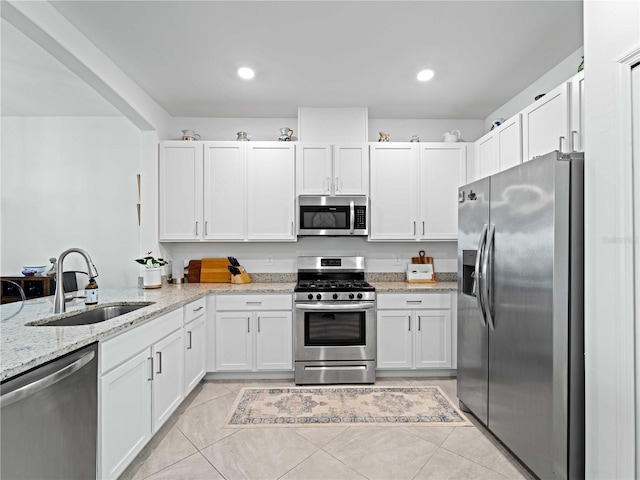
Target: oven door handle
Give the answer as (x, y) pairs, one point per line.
(334, 306)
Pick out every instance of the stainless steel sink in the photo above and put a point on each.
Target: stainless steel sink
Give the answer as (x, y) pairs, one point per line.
(96, 315)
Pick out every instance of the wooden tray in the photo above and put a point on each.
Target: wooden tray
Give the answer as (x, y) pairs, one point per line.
(214, 270)
(193, 271)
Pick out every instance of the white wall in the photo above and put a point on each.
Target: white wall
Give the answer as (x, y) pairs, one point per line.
(70, 182)
(550, 80)
(611, 31)
(380, 256)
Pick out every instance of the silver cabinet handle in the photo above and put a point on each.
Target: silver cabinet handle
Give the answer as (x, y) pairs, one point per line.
(292, 227)
(414, 301)
(409, 317)
(159, 354)
(150, 369)
(253, 303)
(337, 184)
(258, 324)
(248, 325)
(419, 323)
(206, 228)
(478, 275)
(196, 229)
(189, 339)
(42, 383)
(423, 228)
(328, 184)
(573, 140)
(198, 309)
(414, 228)
(560, 144)
(485, 277)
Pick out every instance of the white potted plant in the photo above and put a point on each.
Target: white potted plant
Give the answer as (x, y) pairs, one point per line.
(152, 271)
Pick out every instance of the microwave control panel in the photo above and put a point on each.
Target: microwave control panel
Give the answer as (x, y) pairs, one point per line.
(360, 222)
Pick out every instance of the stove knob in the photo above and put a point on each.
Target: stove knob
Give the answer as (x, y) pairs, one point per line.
(335, 296)
(319, 297)
(351, 295)
(359, 296)
(310, 296)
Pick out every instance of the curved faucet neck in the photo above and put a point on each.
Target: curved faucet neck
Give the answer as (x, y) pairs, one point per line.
(58, 300)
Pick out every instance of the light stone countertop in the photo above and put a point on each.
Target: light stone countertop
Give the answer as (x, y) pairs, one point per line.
(23, 347)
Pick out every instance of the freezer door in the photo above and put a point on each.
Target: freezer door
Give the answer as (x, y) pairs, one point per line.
(529, 208)
(473, 217)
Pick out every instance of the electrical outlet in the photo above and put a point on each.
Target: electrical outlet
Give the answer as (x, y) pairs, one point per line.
(396, 259)
(269, 259)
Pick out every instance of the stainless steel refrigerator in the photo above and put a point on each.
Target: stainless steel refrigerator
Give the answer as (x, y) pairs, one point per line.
(520, 310)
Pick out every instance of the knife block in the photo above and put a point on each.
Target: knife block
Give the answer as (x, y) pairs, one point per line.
(242, 278)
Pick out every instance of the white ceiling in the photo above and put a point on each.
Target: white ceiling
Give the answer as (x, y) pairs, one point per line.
(331, 53)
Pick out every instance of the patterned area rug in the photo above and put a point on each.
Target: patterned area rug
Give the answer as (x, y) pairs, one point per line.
(340, 406)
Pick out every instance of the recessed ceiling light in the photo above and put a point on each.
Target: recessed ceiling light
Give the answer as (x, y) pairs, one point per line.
(246, 73)
(425, 75)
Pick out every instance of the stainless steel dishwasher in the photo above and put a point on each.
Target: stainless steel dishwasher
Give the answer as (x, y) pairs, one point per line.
(50, 419)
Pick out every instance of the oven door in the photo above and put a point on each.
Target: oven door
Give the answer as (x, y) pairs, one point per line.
(332, 331)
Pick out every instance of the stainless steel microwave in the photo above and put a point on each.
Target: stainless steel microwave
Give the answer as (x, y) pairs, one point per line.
(332, 216)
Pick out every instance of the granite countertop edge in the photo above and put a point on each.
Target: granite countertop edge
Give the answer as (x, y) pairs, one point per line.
(23, 347)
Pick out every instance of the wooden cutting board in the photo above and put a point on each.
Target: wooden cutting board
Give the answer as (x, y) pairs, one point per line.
(214, 270)
(193, 271)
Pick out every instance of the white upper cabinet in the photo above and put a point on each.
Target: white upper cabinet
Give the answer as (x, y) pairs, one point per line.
(180, 191)
(577, 112)
(394, 191)
(414, 190)
(499, 149)
(324, 169)
(443, 168)
(227, 191)
(545, 124)
(271, 191)
(487, 155)
(224, 192)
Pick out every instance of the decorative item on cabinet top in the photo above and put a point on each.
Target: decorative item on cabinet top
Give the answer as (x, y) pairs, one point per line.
(242, 136)
(452, 137)
(190, 135)
(496, 123)
(286, 134)
(415, 138)
(384, 137)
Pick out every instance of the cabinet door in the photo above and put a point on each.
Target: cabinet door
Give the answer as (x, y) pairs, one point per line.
(180, 191)
(351, 169)
(224, 191)
(313, 169)
(433, 338)
(274, 340)
(233, 341)
(545, 124)
(125, 417)
(271, 191)
(443, 168)
(487, 155)
(194, 353)
(509, 136)
(394, 332)
(168, 371)
(394, 195)
(577, 112)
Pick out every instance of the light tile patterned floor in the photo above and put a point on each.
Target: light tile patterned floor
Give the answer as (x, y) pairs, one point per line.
(195, 445)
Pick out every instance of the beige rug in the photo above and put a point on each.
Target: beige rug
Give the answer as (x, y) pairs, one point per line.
(340, 406)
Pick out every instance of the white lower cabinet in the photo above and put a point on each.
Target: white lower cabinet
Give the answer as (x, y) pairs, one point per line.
(414, 331)
(141, 384)
(253, 332)
(195, 341)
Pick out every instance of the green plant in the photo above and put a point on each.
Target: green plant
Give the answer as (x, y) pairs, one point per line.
(151, 262)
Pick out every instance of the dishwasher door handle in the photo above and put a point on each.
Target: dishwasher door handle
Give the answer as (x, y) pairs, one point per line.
(42, 383)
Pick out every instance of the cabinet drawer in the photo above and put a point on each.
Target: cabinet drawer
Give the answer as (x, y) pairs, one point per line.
(253, 302)
(413, 300)
(195, 309)
(118, 349)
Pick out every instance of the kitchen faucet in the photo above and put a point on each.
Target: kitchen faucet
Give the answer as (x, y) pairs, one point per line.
(58, 300)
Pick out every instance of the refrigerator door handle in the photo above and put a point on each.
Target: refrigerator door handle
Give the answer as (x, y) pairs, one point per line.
(478, 274)
(485, 276)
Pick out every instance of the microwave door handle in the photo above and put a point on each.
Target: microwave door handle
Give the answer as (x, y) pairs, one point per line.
(352, 216)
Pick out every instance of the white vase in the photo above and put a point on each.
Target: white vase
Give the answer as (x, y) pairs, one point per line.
(152, 277)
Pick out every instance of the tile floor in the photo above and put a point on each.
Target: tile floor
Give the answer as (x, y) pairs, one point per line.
(195, 445)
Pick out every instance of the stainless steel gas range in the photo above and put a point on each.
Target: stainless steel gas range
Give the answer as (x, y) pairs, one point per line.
(335, 326)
